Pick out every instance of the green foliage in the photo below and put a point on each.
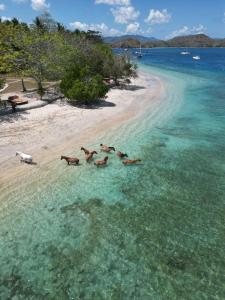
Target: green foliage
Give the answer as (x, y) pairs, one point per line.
(83, 80)
(45, 50)
(84, 91)
(2, 83)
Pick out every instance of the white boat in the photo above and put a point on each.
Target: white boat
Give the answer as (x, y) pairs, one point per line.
(185, 53)
(139, 53)
(196, 57)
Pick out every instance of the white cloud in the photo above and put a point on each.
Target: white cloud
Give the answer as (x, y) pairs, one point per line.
(133, 27)
(198, 29)
(113, 2)
(79, 25)
(125, 14)
(103, 28)
(3, 18)
(185, 30)
(158, 17)
(182, 31)
(2, 6)
(40, 5)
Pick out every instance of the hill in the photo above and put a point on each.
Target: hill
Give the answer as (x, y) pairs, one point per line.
(199, 40)
(190, 41)
(140, 38)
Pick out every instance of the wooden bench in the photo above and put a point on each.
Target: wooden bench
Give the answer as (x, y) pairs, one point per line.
(16, 100)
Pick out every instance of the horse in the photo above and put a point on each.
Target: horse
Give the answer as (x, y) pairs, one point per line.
(90, 156)
(71, 160)
(107, 148)
(121, 154)
(130, 161)
(103, 162)
(24, 157)
(85, 150)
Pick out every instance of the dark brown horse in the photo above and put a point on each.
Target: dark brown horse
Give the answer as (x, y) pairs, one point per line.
(121, 154)
(71, 160)
(90, 156)
(85, 150)
(103, 162)
(107, 148)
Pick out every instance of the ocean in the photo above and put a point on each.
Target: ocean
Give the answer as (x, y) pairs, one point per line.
(151, 231)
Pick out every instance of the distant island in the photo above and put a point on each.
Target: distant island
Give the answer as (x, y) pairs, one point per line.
(192, 41)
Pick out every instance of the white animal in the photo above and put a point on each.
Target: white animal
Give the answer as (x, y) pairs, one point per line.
(24, 157)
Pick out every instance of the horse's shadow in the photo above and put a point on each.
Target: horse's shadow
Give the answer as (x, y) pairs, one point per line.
(32, 163)
(95, 104)
(74, 165)
(131, 87)
(102, 166)
(134, 165)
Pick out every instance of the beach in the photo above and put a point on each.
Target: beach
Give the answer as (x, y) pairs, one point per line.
(151, 230)
(59, 128)
(112, 150)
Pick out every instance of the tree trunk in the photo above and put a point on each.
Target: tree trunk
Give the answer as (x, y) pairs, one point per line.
(23, 85)
(40, 90)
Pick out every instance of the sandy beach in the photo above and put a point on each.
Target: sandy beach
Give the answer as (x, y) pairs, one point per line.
(58, 128)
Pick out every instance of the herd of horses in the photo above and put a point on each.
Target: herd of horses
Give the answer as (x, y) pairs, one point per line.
(89, 156)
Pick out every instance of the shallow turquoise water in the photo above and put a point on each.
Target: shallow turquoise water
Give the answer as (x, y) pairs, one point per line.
(153, 231)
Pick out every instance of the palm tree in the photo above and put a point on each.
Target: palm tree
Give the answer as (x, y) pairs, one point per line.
(39, 24)
(60, 27)
(15, 22)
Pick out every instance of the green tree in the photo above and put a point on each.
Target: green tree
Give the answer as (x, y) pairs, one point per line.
(84, 91)
(46, 50)
(42, 56)
(10, 58)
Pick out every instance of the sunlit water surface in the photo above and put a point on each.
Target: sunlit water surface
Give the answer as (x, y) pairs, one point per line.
(152, 231)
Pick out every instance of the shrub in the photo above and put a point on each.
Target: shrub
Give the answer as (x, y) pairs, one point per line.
(84, 90)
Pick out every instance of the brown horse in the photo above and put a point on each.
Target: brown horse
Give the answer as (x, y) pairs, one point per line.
(103, 162)
(85, 150)
(121, 154)
(71, 160)
(107, 148)
(90, 156)
(130, 161)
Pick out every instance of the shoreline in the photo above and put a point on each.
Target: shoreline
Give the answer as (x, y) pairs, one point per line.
(56, 129)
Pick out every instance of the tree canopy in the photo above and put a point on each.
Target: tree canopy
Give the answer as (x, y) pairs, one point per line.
(46, 50)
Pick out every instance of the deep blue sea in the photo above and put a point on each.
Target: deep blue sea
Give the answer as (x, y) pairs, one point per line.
(151, 231)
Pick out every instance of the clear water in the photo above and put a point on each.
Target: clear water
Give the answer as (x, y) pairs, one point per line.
(153, 231)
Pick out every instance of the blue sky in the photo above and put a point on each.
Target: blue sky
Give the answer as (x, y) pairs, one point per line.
(159, 18)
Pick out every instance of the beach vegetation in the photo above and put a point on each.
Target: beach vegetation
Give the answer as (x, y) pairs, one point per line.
(84, 90)
(45, 50)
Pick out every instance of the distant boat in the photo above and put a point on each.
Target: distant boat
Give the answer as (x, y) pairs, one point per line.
(139, 53)
(185, 53)
(196, 57)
